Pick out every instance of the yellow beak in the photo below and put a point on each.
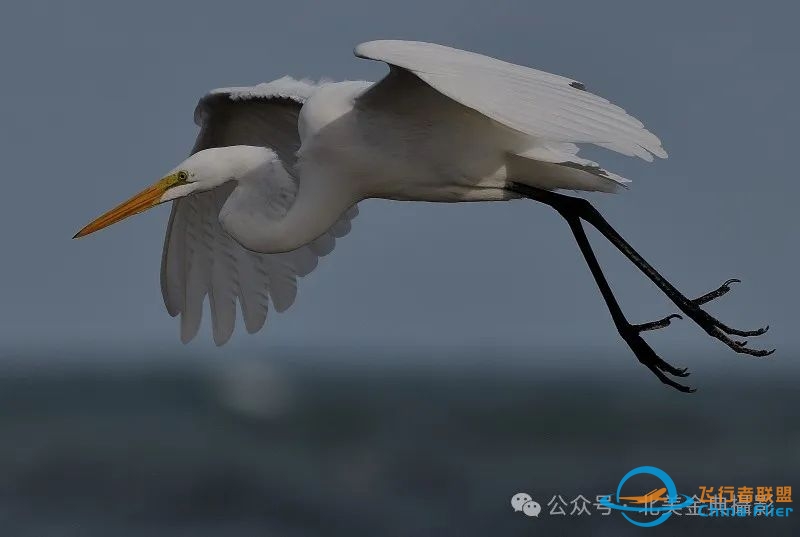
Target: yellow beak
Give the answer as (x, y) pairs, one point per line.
(146, 199)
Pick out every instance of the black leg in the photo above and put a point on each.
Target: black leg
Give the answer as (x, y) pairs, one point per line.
(630, 333)
(576, 209)
(691, 308)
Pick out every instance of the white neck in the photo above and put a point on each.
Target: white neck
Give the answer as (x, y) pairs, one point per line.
(269, 211)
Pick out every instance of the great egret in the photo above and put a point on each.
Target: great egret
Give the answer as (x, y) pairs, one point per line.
(278, 168)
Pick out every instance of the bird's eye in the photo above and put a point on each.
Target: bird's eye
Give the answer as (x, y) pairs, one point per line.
(182, 176)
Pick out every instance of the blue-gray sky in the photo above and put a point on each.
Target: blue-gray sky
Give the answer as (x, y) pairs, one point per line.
(98, 101)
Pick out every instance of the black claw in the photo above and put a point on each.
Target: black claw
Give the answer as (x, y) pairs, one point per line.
(655, 325)
(647, 356)
(738, 346)
(719, 330)
(716, 293)
(736, 332)
(668, 381)
(671, 369)
(682, 372)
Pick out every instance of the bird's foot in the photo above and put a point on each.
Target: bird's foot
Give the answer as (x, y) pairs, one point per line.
(631, 333)
(717, 329)
(647, 356)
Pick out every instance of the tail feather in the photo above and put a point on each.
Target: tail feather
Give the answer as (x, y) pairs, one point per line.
(557, 166)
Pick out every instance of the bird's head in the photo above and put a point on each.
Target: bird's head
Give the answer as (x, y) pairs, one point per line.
(200, 172)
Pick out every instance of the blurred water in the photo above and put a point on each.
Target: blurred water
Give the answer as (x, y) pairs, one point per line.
(349, 444)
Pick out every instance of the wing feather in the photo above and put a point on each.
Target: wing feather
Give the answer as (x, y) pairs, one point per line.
(200, 259)
(543, 105)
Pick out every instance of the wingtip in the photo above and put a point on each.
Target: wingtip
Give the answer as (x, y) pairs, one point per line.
(359, 52)
(362, 50)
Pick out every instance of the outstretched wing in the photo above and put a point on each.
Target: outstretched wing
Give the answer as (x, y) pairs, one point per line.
(548, 107)
(199, 257)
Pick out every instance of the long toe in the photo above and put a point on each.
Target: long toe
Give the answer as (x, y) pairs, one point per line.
(743, 333)
(655, 325)
(739, 346)
(716, 293)
(670, 382)
(660, 367)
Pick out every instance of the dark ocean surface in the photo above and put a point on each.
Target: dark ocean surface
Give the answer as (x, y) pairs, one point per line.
(349, 443)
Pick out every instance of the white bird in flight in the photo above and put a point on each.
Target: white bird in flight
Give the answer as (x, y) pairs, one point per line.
(277, 170)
